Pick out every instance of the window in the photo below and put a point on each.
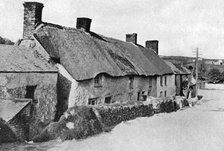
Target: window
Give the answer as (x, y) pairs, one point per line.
(149, 91)
(164, 93)
(165, 81)
(150, 86)
(108, 100)
(130, 96)
(92, 101)
(30, 91)
(161, 94)
(161, 80)
(138, 96)
(150, 82)
(143, 96)
(131, 82)
(98, 81)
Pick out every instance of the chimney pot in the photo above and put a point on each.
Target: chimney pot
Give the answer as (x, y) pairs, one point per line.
(83, 23)
(152, 44)
(32, 16)
(131, 38)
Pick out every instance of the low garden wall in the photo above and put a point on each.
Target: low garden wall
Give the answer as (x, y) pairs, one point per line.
(80, 122)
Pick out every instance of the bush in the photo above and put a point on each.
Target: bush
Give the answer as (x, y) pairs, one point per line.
(78, 122)
(214, 75)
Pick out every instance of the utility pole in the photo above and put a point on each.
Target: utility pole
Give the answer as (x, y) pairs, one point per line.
(196, 76)
(196, 72)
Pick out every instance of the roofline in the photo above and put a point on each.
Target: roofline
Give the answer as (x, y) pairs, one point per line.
(182, 73)
(28, 71)
(127, 75)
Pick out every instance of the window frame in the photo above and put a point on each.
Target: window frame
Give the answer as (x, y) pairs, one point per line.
(150, 86)
(161, 94)
(98, 81)
(165, 80)
(131, 82)
(108, 97)
(139, 96)
(161, 81)
(91, 100)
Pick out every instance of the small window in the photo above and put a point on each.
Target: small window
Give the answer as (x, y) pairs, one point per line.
(143, 96)
(138, 96)
(161, 80)
(150, 82)
(149, 91)
(98, 81)
(92, 101)
(161, 94)
(130, 96)
(131, 82)
(108, 100)
(165, 81)
(164, 93)
(30, 91)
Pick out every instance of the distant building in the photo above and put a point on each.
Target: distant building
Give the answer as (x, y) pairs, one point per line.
(182, 76)
(214, 61)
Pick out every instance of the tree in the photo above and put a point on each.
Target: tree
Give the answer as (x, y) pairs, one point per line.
(202, 70)
(6, 41)
(214, 75)
(222, 77)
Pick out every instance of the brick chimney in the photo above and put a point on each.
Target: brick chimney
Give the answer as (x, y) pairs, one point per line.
(83, 24)
(32, 16)
(131, 38)
(152, 44)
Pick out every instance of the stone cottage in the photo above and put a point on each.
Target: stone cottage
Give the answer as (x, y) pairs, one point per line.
(182, 76)
(28, 94)
(96, 69)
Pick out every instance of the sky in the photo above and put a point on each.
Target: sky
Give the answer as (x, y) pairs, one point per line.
(180, 25)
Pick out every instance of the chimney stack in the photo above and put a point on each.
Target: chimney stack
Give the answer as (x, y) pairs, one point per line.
(152, 44)
(83, 24)
(32, 16)
(131, 38)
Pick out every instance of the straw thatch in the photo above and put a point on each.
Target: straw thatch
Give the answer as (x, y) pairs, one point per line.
(84, 55)
(19, 59)
(178, 69)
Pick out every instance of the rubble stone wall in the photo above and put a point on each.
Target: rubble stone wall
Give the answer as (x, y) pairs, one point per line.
(41, 87)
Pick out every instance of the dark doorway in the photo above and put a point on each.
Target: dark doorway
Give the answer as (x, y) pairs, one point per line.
(30, 91)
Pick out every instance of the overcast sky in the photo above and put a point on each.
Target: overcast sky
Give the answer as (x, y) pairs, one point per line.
(179, 25)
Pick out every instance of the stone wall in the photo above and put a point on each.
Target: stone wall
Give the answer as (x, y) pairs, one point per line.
(112, 115)
(63, 91)
(20, 124)
(6, 133)
(81, 122)
(41, 87)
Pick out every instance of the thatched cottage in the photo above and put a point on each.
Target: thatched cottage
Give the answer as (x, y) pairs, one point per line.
(28, 93)
(97, 69)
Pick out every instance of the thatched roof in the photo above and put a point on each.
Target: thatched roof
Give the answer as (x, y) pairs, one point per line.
(84, 55)
(19, 59)
(178, 69)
